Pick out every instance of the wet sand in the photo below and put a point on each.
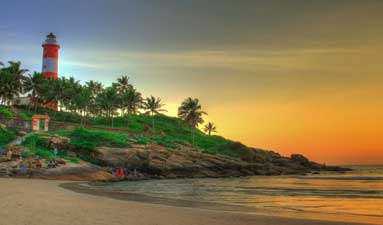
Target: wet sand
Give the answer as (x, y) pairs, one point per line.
(43, 202)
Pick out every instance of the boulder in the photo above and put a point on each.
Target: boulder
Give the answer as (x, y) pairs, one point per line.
(3, 126)
(300, 159)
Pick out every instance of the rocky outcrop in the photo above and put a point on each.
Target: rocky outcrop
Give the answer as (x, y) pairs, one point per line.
(155, 161)
(187, 162)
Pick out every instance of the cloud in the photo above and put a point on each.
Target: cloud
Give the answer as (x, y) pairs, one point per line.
(238, 60)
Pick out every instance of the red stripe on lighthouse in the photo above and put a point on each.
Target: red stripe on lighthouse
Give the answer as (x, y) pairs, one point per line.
(50, 62)
(51, 51)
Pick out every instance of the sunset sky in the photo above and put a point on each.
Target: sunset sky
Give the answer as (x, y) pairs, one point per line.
(290, 76)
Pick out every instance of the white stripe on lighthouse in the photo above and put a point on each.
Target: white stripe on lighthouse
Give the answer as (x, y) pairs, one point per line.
(50, 65)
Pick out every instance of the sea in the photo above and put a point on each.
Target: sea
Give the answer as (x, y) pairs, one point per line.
(355, 196)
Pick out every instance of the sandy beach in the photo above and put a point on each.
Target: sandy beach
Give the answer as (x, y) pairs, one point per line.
(43, 202)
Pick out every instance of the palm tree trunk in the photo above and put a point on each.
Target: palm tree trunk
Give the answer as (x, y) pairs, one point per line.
(193, 136)
(154, 130)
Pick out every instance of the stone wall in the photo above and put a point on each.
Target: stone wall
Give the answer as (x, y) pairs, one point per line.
(26, 125)
(18, 124)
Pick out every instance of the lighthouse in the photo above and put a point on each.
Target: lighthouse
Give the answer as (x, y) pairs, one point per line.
(50, 57)
(50, 63)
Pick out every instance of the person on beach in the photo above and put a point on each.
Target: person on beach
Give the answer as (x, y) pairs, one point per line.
(121, 172)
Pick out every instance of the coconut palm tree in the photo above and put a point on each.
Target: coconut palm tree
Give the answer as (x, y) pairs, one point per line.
(8, 87)
(108, 101)
(132, 101)
(34, 84)
(15, 69)
(191, 112)
(153, 106)
(210, 128)
(80, 101)
(123, 85)
(56, 91)
(95, 87)
(12, 81)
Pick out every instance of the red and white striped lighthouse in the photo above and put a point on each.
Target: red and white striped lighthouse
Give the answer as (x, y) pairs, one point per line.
(50, 63)
(50, 57)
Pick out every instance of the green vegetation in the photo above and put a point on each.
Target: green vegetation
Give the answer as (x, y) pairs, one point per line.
(6, 136)
(191, 112)
(5, 112)
(153, 106)
(36, 147)
(117, 106)
(84, 139)
(210, 128)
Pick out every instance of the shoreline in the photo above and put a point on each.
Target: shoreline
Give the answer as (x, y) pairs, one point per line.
(91, 188)
(44, 202)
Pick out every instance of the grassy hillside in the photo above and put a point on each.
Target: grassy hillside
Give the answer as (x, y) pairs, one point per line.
(6, 136)
(170, 131)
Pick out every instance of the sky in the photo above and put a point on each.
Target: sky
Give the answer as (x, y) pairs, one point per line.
(295, 76)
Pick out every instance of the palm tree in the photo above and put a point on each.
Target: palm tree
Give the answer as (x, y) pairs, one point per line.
(123, 85)
(8, 87)
(95, 88)
(56, 91)
(80, 101)
(34, 84)
(191, 112)
(12, 81)
(108, 101)
(131, 101)
(210, 128)
(153, 106)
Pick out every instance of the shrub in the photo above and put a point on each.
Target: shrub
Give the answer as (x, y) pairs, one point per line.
(84, 139)
(5, 112)
(6, 136)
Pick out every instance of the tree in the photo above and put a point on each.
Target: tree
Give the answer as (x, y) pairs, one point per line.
(8, 87)
(95, 89)
(12, 79)
(131, 101)
(34, 84)
(191, 112)
(210, 128)
(153, 106)
(123, 85)
(80, 101)
(72, 88)
(108, 101)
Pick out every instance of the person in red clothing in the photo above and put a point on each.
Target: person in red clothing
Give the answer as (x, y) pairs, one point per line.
(121, 172)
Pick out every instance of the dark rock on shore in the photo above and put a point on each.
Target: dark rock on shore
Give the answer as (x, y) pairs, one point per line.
(187, 162)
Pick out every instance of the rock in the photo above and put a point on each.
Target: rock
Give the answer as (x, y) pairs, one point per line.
(56, 141)
(3, 126)
(300, 159)
(60, 161)
(72, 154)
(21, 133)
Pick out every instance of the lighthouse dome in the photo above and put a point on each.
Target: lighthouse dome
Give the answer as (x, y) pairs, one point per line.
(51, 40)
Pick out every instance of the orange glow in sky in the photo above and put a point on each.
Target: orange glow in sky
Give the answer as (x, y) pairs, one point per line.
(290, 76)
